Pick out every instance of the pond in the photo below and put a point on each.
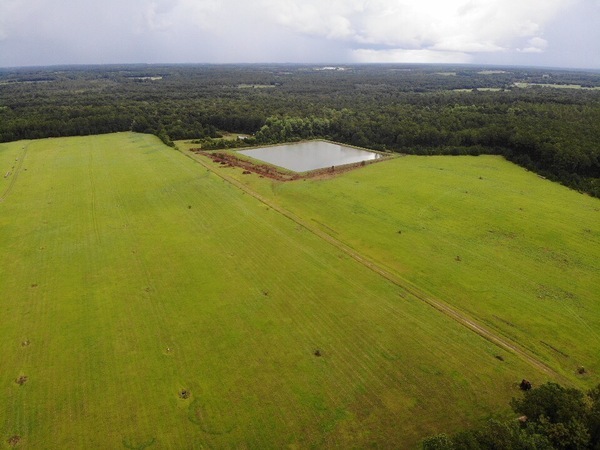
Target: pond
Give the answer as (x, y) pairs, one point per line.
(311, 155)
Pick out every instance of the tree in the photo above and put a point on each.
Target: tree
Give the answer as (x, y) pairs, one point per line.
(594, 417)
(438, 442)
(553, 402)
(555, 417)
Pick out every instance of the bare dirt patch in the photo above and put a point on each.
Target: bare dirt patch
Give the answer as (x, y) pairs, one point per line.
(14, 440)
(21, 380)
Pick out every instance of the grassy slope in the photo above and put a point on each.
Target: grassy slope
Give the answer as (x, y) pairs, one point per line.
(126, 295)
(528, 250)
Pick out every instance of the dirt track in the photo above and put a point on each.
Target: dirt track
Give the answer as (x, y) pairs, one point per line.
(439, 305)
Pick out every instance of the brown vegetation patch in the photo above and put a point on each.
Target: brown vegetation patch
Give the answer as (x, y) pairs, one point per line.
(14, 440)
(184, 394)
(21, 380)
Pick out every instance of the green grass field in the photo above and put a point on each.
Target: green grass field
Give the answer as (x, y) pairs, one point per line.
(130, 273)
(516, 252)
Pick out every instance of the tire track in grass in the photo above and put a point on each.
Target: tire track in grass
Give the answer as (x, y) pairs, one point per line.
(329, 323)
(153, 291)
(439, 305)
(147, 294)
(198, 221)
(349, 365)
(38, 308)
(313, 323)
(356, 362)
(292, 412)
(149, 291)
(351, 361)
(15, 174)
(93, 195)
(347, 361)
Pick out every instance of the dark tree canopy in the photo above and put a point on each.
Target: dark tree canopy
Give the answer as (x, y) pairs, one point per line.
(552, 417)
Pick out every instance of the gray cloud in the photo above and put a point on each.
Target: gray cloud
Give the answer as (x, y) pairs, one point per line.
(37, 32)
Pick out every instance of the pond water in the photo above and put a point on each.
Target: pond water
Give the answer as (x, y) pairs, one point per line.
(311, 155)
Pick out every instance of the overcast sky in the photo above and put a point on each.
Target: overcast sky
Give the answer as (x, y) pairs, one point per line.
(558, 33)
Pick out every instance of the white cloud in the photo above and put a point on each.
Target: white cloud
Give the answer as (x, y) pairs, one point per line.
(173, 15)
(12, 14)
(87, 31)
(154, 20)
(535, 45)
(440, 26)
(410, 56)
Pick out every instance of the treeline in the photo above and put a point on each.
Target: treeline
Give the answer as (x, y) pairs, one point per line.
(556, 141)
(552, 417)
(411, 109)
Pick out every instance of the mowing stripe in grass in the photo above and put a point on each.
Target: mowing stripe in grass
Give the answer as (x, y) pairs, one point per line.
(179, 280)
(439, 305)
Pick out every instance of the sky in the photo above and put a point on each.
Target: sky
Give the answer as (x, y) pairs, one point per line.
(551, 33)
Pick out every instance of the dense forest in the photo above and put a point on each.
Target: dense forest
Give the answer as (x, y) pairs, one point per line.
(545, 120)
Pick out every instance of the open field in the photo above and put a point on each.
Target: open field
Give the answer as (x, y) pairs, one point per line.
(131, 276)
(518, 253)
(556, 86)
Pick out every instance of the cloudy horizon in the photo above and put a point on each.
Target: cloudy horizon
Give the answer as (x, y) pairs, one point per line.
(550, 33)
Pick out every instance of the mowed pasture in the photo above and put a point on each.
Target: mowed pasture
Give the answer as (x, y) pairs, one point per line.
(516, 252)
(146, 302)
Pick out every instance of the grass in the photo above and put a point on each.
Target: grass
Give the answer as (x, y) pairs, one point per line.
(130, 273)
(518, 253)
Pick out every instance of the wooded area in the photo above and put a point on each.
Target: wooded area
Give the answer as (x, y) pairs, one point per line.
(545, 120)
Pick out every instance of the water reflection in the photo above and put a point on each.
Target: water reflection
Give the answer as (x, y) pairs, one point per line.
(311, 155)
